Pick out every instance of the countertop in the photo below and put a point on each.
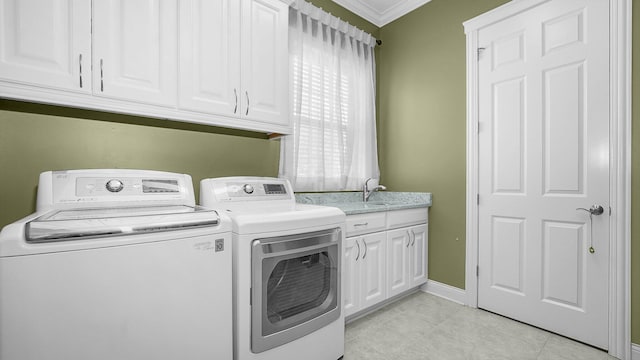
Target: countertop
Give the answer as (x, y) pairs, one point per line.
(351, 202)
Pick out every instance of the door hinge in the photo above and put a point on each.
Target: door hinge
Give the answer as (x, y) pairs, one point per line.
(477, 270)
(478, 199)
(480, 51)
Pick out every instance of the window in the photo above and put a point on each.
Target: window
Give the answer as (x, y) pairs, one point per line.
(333, 145)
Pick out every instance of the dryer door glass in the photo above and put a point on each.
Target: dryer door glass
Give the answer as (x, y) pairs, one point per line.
(296, 284)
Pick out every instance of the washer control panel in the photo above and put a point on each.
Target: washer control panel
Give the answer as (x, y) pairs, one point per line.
(90, 186)
(98, 186)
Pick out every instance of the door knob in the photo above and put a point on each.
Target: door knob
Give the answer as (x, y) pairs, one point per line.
(594, 210)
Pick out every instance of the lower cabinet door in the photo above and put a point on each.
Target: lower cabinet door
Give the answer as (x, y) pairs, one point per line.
(419, 254)
(398, 261)
(373, 288)
(351, 276)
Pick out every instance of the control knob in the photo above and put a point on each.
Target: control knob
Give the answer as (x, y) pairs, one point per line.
(248, 188)
(114, 185)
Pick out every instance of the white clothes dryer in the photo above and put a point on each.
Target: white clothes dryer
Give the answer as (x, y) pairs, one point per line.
(116, 264)
(287, 269)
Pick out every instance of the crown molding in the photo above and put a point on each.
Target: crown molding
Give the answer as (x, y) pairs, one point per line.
(381, 17)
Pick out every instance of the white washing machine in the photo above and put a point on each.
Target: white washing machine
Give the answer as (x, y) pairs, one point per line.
(116, 264)
(287, 264)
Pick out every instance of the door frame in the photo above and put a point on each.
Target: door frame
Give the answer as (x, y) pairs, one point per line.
(620, 163)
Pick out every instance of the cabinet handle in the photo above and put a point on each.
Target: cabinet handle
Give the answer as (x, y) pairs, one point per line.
(247, 93)
(235, 109)
(80, 66)
(365, 249)
(101, 75)
(413, 235)
(408, 239)
(361, 224)
(358, 255)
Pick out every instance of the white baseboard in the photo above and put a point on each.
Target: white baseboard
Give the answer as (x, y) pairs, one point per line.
(445, 291)
(635, 352)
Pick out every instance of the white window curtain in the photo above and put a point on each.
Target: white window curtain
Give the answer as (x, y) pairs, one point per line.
(333, 145)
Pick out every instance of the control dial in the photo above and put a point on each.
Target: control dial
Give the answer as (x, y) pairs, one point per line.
(248, 188)
(114, 185)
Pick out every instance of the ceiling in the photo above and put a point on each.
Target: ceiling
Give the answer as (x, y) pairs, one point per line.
(381, 12)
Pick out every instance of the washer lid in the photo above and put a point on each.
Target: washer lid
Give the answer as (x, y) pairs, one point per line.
(77, 224)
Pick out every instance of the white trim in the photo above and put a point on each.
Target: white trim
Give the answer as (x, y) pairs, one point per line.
(445, 291)
(377, 17)
(620, 179)
(620, 174)
(635, 352)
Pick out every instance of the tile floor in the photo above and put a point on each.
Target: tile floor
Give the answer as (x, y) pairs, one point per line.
(423, 326)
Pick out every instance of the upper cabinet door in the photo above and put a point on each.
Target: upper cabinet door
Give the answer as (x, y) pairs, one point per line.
(46, 43)
(209, 56)
(135, 50)
(265, 61)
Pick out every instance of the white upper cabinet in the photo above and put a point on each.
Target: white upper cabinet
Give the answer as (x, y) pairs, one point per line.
(213, 62)
(135, 50)
(46, 43)
(209, 56)
(265, 60)
(234, 59)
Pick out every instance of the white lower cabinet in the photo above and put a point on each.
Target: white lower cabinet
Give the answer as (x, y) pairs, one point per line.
(364, 275)
(406, 258)
(383, 257)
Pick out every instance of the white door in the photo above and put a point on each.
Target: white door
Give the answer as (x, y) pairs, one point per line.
(543, 153)
(265, 61)
(419, 255)
(47, 43)
(209, 56)
(373, 271)
(398, 261)
(135, 54)
(351, 276)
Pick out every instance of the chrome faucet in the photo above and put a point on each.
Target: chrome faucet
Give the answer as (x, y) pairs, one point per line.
(366, 193)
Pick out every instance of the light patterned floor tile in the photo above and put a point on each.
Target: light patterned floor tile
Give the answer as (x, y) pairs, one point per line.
(425, 327)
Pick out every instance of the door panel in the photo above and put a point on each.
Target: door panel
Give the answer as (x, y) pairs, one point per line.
(209, 53)
(351, 276)
(373, 270)
(507, 252)
(135, 50)
(264, 61)
(544, 153)
(419, 255)
(46, 43)
(398, 262)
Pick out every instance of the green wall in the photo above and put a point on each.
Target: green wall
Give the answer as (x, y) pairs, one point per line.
(36, 138)
(422, 127)
(423, 120)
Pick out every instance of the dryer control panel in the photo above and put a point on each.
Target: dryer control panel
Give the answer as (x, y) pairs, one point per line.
(246, 189)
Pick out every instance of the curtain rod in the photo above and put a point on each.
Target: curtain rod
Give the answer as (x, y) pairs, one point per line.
(334, 22)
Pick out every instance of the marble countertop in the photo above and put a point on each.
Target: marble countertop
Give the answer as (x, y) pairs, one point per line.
(351, 202)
